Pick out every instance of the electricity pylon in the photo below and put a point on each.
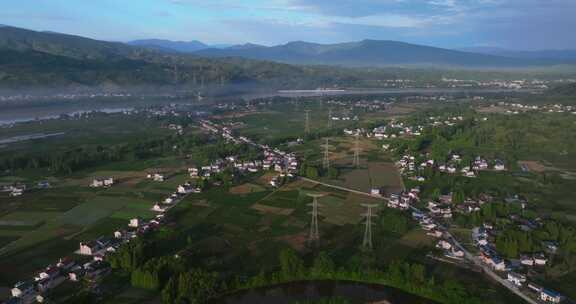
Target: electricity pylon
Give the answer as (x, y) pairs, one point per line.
(307, 122)
(356, 162)
(326, 160)
(314, 232)
(330, 118)
(367, 242)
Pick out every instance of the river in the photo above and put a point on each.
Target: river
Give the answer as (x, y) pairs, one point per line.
(315, 290)
(21, 114)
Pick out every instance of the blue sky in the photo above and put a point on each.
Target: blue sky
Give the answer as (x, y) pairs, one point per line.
(513, 24)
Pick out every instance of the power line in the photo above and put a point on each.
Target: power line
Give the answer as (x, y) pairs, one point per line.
(367, 242)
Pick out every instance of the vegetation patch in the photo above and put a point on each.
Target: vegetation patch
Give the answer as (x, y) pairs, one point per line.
(246, 188)
(272, 210)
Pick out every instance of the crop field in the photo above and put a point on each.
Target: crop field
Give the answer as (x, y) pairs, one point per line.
(44, 225)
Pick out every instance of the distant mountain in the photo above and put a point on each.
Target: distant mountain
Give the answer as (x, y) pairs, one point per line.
(179, 46)
(245, 46)
(32, 61)
(370, 53)
(71, 46)
(556, 55)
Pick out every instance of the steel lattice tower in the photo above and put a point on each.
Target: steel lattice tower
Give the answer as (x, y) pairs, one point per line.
(356, 162)
(314, 232)
(367, 242)
(307, 122)
(330, 118)
(326, 160)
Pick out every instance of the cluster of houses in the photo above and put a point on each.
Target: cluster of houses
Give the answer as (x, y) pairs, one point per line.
(286, 164)
(403, 200)
(407, 166)
(437, 121)
(483, 239)
(68, 269)
(178, 128)
(515, 108)
(429, 224)
(170, 201)
(394, 130)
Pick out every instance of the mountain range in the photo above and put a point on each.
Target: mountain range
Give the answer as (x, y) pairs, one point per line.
(178, 46)
(35, 59)
(380, 53)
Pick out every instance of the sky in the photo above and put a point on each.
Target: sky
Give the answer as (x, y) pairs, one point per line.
(510, 24)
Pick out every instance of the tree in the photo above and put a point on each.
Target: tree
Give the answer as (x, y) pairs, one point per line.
(312, 172)
(291, 266)
(323, 266)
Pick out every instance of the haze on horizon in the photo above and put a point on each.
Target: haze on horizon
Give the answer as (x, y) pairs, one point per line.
(510, 24)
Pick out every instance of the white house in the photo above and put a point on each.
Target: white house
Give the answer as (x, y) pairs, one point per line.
(102, 182)
(158, 208)
(24, 290)
(135, 222)
(375, 192)
(444, 245)
(540, 260)
(550, 296)
(516, 278)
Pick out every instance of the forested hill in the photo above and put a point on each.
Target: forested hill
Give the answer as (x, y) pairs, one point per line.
(30, 59)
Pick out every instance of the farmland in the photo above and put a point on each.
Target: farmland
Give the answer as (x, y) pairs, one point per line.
(238, 226)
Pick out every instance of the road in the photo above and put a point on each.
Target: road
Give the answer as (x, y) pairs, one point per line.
(487, 270)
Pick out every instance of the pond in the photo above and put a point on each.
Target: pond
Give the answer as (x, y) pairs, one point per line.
(315, 290)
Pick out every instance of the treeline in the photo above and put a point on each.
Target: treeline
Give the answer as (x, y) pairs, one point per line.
(512, 136)
(180, 282)
(202, 149)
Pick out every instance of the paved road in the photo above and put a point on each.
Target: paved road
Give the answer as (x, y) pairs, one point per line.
(487, 270)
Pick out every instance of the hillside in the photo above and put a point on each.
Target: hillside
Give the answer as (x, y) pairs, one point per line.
(31, 60)
(371, 53)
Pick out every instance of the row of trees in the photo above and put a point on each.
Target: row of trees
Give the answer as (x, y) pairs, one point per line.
(179, 282)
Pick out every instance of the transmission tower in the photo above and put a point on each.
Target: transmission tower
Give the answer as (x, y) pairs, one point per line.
(367, 242)
(356, 162)
(326, 160)
(314, 232)
(307, 122)
(330, 118)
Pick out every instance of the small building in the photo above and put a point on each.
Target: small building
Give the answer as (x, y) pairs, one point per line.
(93, 247)
(376, 192)
(158, 208)
(135, 222)
(157, 177)
(516, 278)
(102, 182)
(24, 290)
(550, 296)
(540, 260)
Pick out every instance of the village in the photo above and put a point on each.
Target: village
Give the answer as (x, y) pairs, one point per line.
(91, 265)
